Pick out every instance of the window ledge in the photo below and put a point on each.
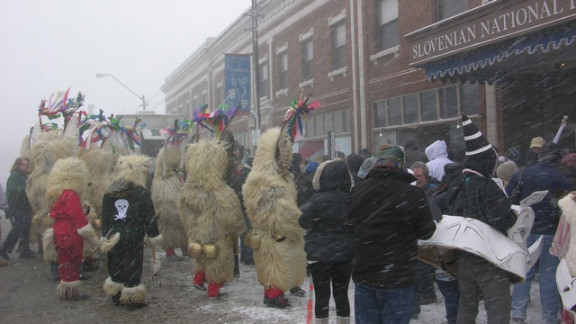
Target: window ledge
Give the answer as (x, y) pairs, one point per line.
(394, 50)
(340, 71)
(306, 83)
(263, 98)
(283, 92)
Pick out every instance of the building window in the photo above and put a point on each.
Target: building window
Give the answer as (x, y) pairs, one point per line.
(282, 71)
(429, 106)
(448, 102)
(380, 114)
(307, 60)
(263, 82)
(388, 35)
(470, 98)
(449, 8)
(411, 109)
(328, 122)
(339, 46)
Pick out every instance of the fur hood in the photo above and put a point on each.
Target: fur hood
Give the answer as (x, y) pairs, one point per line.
(133, 168)
(69, 173)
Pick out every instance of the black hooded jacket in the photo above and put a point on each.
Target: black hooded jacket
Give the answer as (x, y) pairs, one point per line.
(389, 217)
(328, 232)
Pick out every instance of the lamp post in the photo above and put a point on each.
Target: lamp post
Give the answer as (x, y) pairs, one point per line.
(101, 75)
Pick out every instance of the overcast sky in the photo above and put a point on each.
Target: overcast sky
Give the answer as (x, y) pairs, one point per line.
(51, 45)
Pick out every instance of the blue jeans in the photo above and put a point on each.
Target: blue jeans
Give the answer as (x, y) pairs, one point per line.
(549, 296)
(451, 293)
(382, 306)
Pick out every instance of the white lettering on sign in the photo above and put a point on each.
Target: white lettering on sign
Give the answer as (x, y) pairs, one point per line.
(501, 24)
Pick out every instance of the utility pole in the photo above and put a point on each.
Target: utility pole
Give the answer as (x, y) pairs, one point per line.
(255, 63)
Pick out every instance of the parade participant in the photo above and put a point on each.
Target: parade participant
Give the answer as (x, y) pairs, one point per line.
(271, 204)
(211, 213)
(20, 210)
(474, 195)
(385, 240)
(128, 216)
(66, 184)
(165, 192)
(328, 239)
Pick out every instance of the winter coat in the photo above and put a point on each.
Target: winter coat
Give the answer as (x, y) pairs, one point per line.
(473, 196)
(68, 216)
(389, 216)
(437, 155)
(324, 217)
(16, 192)
(543, 176)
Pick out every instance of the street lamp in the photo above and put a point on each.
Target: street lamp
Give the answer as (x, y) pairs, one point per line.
(101, 75)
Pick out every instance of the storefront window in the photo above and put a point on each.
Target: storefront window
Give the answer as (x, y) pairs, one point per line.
(380, 114)
(448, 102)
(469, 98)
(411, 109)
(429, 106)
(338, 122)
(347, 122)
(395, 112)
(328, 122)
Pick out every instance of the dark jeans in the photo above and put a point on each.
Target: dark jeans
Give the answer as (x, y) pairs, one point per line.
(478, 277)
(451, 293)
(385, 306)
(20, 231)
(246, 253)
(425, 275)
(337, 273)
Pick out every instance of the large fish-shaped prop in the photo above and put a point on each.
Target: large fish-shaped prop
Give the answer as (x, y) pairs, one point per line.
(508, 252)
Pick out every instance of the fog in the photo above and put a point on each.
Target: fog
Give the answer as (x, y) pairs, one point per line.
(47, 46)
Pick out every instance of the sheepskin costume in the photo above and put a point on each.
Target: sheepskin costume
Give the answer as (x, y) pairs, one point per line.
(211, 213)
(165, 195)
(65, 185)
(128, 215)
(568, 206)
(48, 148)
(270, 200)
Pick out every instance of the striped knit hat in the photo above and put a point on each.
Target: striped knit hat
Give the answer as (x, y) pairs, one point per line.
(480, 155)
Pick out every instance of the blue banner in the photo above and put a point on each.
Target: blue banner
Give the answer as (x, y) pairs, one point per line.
(237, 82)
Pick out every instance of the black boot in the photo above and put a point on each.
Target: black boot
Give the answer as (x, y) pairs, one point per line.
(116, 299)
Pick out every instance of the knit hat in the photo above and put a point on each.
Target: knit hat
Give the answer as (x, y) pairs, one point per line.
(537, 142)
(506, 170)
(480, 155)
(392, 159)
(366, 166)
(569, 160)
(311, 167)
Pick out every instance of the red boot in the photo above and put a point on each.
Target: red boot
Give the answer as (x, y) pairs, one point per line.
(198, 282)
(214, 291)
(275, 298)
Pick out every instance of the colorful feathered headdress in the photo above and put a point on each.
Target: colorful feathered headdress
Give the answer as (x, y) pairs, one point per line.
(217, 121)
(59, 105)
(293, 118)
(176, 133)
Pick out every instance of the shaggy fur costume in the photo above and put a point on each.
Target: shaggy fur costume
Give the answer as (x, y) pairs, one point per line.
(270, 200)
(66, 184)
(127, 216)
(48, 148)
(568, 206)
(165, 195)
(210, 210)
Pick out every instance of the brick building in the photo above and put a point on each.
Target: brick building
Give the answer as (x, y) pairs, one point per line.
(397, 70)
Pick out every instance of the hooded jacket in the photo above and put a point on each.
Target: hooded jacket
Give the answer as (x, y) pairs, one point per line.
(324, 217)
(389, 216)
(437, 155)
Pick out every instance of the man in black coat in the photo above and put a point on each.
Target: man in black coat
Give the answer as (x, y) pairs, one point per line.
(475, 195)
(389, 217)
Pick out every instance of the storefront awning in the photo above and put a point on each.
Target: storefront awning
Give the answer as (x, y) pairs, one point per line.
(485, 64)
